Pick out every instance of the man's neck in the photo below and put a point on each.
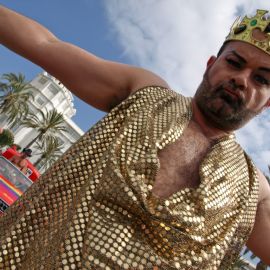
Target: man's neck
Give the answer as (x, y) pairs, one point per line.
(207, 129)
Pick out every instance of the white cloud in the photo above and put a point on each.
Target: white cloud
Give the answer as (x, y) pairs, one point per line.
(174, 38)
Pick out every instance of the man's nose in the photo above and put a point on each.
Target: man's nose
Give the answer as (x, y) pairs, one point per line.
(240, 79)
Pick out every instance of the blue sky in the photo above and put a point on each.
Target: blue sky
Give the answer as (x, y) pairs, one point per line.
(173, 38)
(84, 24)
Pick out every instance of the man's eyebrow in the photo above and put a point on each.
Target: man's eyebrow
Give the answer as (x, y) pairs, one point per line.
(264, 69)
(242, 59)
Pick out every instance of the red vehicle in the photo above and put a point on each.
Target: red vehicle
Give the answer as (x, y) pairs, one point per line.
(13, 183)
(32, 172)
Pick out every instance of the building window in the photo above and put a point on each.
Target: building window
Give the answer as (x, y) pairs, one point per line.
(73, 134)
(42, 80)
(61, 98)
(40, 101)
(53, 89)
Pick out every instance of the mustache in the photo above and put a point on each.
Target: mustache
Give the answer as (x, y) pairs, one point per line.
(226, 90)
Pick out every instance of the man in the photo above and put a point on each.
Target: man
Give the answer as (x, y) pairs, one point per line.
(21, 160)
(160, 181)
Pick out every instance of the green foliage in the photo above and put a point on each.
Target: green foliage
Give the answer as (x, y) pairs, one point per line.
(6, 138)
(239, 264)
(14, 94)
(46, 123)
(50, 151)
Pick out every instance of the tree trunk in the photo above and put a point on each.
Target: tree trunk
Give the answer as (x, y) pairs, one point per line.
(33, 141)
(38, 161)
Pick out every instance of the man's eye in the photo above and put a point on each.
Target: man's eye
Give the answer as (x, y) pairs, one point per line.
(233, 63)
(261, 80)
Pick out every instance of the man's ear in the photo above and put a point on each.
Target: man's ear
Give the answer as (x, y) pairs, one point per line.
(211, 61)
(267, 105)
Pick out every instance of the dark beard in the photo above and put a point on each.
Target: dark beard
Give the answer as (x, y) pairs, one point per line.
(206, 98)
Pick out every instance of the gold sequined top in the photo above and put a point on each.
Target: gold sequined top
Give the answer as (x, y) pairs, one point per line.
(94, 208)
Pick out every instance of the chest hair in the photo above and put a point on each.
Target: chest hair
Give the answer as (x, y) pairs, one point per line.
(180, 162)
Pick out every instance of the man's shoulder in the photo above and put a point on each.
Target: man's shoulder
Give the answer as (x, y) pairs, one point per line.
(155, 90)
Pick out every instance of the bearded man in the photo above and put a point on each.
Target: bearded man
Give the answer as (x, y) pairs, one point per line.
(160, 181)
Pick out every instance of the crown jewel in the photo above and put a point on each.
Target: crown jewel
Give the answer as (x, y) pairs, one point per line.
(243, 30)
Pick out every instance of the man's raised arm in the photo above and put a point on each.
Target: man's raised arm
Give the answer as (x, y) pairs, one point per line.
(98, 82)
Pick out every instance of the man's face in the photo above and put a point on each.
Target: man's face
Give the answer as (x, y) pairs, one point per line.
(235, 86)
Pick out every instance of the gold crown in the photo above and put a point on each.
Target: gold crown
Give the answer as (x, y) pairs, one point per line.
(243, 30)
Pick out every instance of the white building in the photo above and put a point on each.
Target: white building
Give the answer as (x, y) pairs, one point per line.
(48, 93)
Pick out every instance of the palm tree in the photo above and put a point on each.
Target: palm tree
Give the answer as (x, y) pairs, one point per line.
(46, 123)
(14, 94)
(240, 263)
(50, 151)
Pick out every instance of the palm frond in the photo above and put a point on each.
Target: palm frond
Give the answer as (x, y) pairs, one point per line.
(238, 264)
(49, 151)
(14, 97)
(46, 122)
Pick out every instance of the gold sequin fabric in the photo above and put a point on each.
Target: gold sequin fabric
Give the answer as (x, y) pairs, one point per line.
(94, 208)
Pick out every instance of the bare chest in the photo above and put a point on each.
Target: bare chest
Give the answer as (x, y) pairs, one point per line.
(19, 162)
(180, 162)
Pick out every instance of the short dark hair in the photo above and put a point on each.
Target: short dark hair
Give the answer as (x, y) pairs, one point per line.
(27, 151)
(222, 49)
